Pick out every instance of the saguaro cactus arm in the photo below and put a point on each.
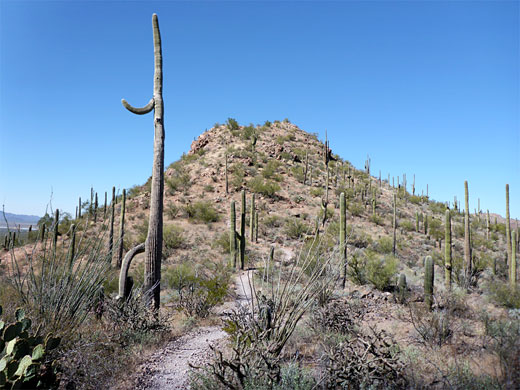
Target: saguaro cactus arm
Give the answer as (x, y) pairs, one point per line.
(139, 110)
(125, 266)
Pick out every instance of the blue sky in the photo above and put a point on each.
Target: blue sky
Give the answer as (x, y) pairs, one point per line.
(424, 88)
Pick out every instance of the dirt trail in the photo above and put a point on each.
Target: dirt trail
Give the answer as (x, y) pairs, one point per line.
(169, 367)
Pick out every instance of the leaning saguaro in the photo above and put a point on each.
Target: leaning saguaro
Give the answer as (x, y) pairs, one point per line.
(153, 244)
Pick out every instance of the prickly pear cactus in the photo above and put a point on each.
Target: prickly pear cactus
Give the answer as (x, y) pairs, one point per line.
(25, 362)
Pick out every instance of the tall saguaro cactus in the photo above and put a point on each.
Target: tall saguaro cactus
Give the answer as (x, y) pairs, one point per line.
(252, 219)
(512, 265)
(121, 230)
(428, 282)
(111, 233)
(467, 235)
(153, 244)
(394, 225)
(343, 237)
(233, 235)
(243, 230)
(508, 227)
(447, 250)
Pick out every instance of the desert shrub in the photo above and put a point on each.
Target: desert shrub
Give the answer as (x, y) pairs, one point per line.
(358, 238)
(381, 271)
(264, 187)
(232, 124)
(260, 330)
(415, 199)
(209, 188)
(355, 208)
(201, 211)
(504, 340)
(356, 269)
(180, 180)
(434, 328)
(294, 228)
(377, 219)
(57, 289)
(247, 132)
(237, 175)
(269, 171)
(338, 316)
(222, 242)
(407, 225)
(317, 192)
(141, 230)
(272, 221)
(172, 210)
(196, 292)
(133, 191)
(384, 245)
(173, 238)
(503, 294)
(367, 360)
(292, 377)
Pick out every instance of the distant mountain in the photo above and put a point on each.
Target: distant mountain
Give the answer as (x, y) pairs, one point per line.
(18, 219)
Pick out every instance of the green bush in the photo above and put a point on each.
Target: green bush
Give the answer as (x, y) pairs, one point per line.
(294, 228)
(381, 271)
(317, 192)
(196, 292)
(269, 171)
(201, 211)
(232, 124)
(504, 294)
(355, 208)
(273, 221)
(237, 175)
(179, 181)
(222, 242)
(385, 245)
(173, 238)
(248, 132)
(263, 187)
(171, 210)
(407, 225)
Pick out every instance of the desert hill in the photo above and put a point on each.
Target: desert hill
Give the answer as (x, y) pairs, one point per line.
(285, 168)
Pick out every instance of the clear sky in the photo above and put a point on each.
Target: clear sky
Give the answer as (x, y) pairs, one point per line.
(425, 88)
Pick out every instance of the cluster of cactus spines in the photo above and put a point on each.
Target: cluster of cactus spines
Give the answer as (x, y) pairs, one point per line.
(402, 288)
(343, 238)
(243, 230)
(121, 230)
(394, 225)
(508, 227)
(447, 250)
(154, 237)
(467, 235)
(233, 235)
(512, 266)
(428, 282)
(252, 219)
(56, 225)
(112, 215)
(23, 353)
(226, 173)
